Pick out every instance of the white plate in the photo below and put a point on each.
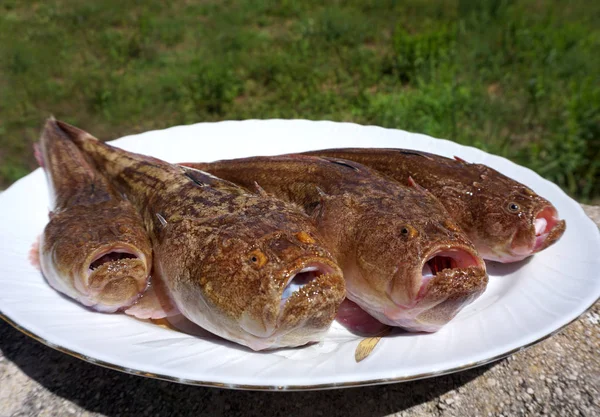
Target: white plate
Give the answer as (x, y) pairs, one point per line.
(523, 304)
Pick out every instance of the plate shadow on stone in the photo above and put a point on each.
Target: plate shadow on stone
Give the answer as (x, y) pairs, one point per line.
(113, 393)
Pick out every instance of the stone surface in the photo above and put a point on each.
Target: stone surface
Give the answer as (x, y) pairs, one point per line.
(558, 377)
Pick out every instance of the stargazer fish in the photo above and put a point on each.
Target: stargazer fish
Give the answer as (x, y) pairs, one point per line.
(242, 265)
(405, 261)
(94, 249)
(506, 220)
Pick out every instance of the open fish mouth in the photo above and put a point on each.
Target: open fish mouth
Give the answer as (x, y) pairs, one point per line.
(113, 278)
(548, 228)
(443, 259)
(451, 277)
(110, 256)
(303, 276)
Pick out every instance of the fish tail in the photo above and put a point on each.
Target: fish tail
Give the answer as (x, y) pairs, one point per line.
(107, 158)
(133, 173)
(71, 178)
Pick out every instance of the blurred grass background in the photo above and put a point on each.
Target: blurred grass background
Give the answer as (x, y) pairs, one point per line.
(516, 78)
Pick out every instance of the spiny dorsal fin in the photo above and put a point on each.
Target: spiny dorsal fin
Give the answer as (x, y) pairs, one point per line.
(261, 191)
(411, 152)
(161, 219)
(344, 163)
(319, 207)
(321, 193)
(415, 185)
(196, 179)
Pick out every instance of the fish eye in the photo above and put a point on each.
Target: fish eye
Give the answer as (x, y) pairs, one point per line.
(513, 207)
(257, 259)
(408, 231)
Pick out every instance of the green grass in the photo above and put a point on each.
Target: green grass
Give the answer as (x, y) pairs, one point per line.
(520, 79)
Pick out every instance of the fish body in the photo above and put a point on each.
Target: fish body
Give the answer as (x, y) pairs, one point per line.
(506, 220)
(94, 248)
(405, 262)
(244, 266)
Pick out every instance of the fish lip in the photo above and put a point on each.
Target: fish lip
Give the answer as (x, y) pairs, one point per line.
(553, 222)
(85, 272)
(439, 250)
(451, 251)
(553, 230)
(307, 265)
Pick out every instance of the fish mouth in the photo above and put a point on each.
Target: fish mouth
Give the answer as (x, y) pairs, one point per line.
(303, 276)
(443, 259)
(308, 299)
(447, 273)
(113, 278)
(110, 256)
(546, 229)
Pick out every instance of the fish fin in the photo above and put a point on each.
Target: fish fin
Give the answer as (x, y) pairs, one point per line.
(411, 152)
(317, 212)
(415, 185)
(261, 191)
(155, 303)
(459, 159)
(196, 176)
(322, 194)
(162, 220)
(39, 156)
(34, 254)
(366, 346)
(343, 162)
(358, 321)
(206, 179)
(318, 208)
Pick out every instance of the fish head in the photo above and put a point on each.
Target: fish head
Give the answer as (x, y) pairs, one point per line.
(513, 222)
(418, 271)
(102, 261)
(268, 282)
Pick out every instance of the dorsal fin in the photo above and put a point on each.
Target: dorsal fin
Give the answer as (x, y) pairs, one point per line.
(343, 162)
(195, 178)
(201, 178)
(411, 152)
(161, 219)
(415, 185)
(261, 191)
(459, 159)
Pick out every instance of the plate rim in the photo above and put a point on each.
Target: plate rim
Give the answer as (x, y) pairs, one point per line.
(290, 387)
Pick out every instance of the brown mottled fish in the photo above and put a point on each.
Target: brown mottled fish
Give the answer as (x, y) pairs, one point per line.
(245, 266)
(405, 262)
(505, 220)
(95, 248)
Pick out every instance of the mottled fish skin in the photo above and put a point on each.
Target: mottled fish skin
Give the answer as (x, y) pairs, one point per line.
(382, 233)
(94, 248)
(506, 220)
(229, 257)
